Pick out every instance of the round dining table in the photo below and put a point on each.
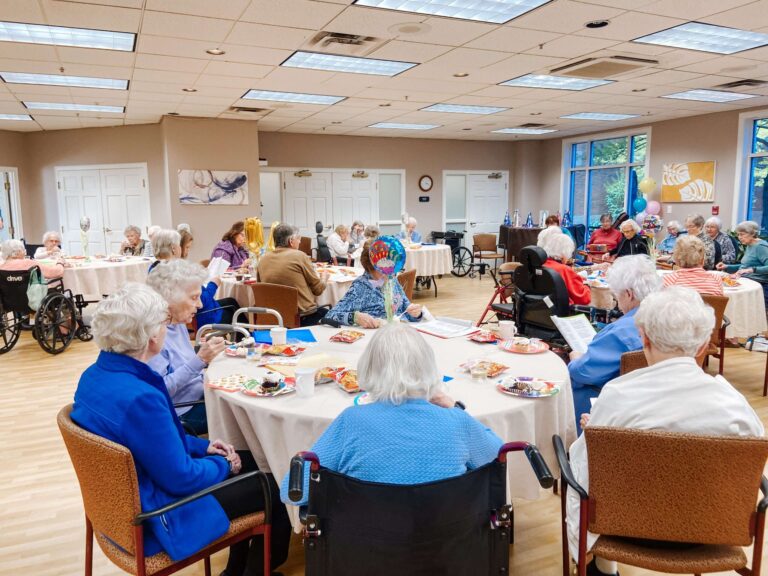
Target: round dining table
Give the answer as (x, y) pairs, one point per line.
(275, 428)
(429, 260)
(100, 277)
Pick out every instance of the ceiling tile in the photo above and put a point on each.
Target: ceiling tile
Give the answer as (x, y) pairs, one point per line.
(690, 9)
(229, 10)
(254, 55)
(409, 51)
(669, 77)
(631, 25)
(141, 86)
(513, 67)
(22, 11)
(28, 51)
(749, 17)
(572, 46)
(430, 97)
(186, 78)
(220, 68)
(508, 39)
(224, 81)
(450, 32)
(722, 65)
(170, 63)
(250, 34)
(182, 26)
(564, 16)
(374, 22)
(99, 57)
(33, 67)
(93, 70)
(165, 46)
(296, 13)
(91, 16)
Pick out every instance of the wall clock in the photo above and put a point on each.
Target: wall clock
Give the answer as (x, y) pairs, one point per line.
(425, 183)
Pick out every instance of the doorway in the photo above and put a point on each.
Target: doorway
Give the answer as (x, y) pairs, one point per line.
(475, 201)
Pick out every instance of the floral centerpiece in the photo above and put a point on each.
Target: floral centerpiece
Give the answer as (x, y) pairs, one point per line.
(651, 225)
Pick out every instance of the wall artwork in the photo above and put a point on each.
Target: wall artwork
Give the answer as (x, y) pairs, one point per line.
(213, 187)
(689, 182)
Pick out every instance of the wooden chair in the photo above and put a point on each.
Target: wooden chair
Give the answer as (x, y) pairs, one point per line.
(305, 245)
(204, 262)
(484, 247)
(284, 299)
(717, 342)
(653, 493)
(107, 476)
(504, 292)
(632, 361)
(407, 281)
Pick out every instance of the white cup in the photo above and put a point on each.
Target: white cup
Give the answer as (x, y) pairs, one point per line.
(507, 329)
(278, 335)
(305, 381)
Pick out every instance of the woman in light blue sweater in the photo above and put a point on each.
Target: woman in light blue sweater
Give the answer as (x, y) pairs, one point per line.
(754, 264)
(412, 433)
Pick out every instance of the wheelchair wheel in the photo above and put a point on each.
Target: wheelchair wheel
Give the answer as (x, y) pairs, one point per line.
(84, 334)
(55, 323)
(10, 329)
(462, 261)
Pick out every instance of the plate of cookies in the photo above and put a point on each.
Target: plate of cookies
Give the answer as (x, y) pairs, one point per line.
(520, 345)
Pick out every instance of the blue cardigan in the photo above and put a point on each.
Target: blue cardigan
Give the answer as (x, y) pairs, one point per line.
(123, 400)
(365, 295)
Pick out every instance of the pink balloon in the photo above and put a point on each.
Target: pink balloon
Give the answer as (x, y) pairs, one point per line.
(640, 216)
(653, 207)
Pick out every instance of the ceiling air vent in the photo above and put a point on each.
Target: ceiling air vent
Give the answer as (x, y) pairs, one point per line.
(249, 110)
(603, 67)
(749, 83)
(343, 44)
(533, 125)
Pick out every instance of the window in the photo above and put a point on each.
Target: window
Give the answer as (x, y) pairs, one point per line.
(599, 175)
(757, 180)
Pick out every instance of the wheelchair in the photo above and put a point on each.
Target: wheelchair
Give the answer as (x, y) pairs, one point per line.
(461, 256)
(58, 320)
(460, 526)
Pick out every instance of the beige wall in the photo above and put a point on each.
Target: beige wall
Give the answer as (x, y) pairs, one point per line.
(13, 155)
(416, 156)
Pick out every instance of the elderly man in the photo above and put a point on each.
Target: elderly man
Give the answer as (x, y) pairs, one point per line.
(713, 228)
(289, 266)
(673, 394)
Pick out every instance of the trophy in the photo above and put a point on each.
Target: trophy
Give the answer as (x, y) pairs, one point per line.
(85, 225)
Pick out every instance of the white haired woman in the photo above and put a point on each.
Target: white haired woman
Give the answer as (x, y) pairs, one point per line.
(411, 234)
(632, 243)
(179, 282)
(51, 248)
(130, 328)
(631, 279)
(14, 259)
(151, 231)
(559, 249)
(338, 244)
(672, 394)
(689, 256)
(713, 228)
(754, 263)
(667, 245)
(133, 245)
(694, 224)
(412, 432)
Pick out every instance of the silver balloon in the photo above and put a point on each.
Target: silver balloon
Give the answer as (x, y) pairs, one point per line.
(85, 223)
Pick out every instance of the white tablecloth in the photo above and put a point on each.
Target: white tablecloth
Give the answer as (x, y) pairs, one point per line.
(274, 429)
(93, 279)
(746, 309)
(429, 260)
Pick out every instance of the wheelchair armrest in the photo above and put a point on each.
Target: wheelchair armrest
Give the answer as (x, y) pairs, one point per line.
(763, 504)
(140, 518)
(565, 467)
(536, 460)
(296, 474)
(187, 404)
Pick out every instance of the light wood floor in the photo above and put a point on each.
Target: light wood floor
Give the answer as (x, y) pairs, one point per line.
(41, 519)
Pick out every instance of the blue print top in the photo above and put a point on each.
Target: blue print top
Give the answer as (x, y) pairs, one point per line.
(365, 295)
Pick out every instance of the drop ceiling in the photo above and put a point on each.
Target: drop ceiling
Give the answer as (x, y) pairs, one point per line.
(258, 35)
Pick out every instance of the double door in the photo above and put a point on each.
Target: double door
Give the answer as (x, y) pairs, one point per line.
(112, 198)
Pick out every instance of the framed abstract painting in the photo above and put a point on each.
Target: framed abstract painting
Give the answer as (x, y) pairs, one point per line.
(689, 182)
(213, 187)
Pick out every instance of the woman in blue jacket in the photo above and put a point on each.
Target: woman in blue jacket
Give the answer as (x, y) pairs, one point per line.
(123, 400)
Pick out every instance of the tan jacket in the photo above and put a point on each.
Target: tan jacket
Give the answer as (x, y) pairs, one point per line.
(289, 267)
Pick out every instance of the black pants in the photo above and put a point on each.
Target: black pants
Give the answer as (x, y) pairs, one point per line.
(314, 318)
(230, 306)
(246, 498)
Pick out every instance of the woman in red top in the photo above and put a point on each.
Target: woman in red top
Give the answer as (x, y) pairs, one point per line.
(559, 249)
(606, 234)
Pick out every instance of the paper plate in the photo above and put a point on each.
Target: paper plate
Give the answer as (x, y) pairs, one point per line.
(546, 388)
(254, 388)
(231, 383)
(510, 346)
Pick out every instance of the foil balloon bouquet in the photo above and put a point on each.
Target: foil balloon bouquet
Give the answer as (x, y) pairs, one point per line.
(254, 239)
(387, 255)
(85, 225)
(651, 224)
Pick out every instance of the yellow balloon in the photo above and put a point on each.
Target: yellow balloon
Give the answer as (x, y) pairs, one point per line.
(271, 239)
(254, 235)
(647, 185)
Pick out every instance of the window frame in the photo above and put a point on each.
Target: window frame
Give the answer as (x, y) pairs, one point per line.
(567, 170)
(744, 156)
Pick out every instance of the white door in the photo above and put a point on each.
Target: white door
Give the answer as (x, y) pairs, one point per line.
(79, 196)
(10, 206)
(124, 201)
(455, 202)
(487, 202)
(308, 199)
(269, 190)
(355, 199)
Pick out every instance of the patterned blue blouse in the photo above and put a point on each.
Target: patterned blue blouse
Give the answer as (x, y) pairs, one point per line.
(365, 295)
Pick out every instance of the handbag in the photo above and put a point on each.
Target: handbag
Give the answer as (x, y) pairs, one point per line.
(36, 289)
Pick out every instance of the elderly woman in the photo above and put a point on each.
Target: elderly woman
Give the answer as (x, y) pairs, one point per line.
(425, 438)
(178, 282)
(51, 247)
(667, 245)
(356, 237)
(363, 304)
(689, 256)
(712, 227)
(151, 231)
(133, 245)
(410, 234)
(631, 279)
(559, 249)
(606, 234)
(186, 242)
(338, 244)
(166, 244)
(754, 263)
(370, 233)
(672, 394)
(14, 258)
(694, 224)
(631, 243)
(124, 400)
(232, 247)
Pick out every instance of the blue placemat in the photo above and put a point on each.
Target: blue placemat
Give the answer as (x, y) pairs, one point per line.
(295, 335)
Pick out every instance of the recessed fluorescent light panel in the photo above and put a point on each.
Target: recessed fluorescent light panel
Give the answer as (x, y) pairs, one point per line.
(315, 61)
(600, 116)
(706, 38)
(73, 107)
(15, 117)
(494, 11)
(457, 109)
(709, 96)
(398, 126)
(62, 36)
(56, 80)
(293, 97)
(524, 131)
(554, 82)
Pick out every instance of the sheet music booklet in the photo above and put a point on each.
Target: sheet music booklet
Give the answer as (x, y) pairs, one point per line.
(576, 330)
(216, 267)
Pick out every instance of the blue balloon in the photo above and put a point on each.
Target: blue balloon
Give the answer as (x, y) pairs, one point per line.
(387, 255)
(639, 204)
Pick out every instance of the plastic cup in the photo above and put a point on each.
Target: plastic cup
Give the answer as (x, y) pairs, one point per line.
(479, 372)
(279, 335)
(305, 381)
(507, 329)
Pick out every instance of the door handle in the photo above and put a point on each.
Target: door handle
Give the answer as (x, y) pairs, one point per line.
(473, 223)
(107, 229)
